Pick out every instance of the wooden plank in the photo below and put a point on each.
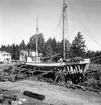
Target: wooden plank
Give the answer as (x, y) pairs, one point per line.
(34, 95)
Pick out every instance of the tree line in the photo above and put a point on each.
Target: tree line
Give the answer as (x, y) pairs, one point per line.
(52, 47)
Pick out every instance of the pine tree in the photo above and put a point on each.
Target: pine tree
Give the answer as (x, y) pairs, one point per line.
(78, 46)
(22, 45)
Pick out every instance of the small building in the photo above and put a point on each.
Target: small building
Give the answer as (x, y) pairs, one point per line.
(29, 56)
(5, 56)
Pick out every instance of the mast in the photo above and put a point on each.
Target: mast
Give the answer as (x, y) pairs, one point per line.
(36, 38)
(64, 11)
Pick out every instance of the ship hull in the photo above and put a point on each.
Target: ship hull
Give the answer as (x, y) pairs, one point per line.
(57, 64)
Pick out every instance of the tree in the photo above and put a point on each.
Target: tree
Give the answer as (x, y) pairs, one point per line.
(13, 52)
(17, 52)
(22, 45)
(90, 54)
(32, 43)
(41, 43)
(59, 48)
(78, 46)
(48, 48)
(54, 45)
(3, 48)
(8, 48)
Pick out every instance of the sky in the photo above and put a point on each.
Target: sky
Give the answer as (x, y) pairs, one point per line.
(18, 20)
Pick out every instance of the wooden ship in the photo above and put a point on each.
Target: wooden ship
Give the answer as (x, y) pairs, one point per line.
(74, 70)
(55, 72)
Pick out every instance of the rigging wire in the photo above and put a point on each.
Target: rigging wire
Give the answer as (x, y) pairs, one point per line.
(60, 17)
(89, 33)
(84, 26)
(66, 21)
(60, 20)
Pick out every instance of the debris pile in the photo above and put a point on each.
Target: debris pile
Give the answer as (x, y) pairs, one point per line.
(8, 98)
(92, 83)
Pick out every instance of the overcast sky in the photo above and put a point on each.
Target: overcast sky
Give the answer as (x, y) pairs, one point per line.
(18, 20)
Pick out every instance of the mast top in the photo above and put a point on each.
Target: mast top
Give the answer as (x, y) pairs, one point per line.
(64, 5)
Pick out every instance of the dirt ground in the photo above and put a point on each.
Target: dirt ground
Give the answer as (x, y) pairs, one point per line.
(55, 95)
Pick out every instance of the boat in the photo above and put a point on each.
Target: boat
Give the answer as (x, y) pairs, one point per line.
(74, 69)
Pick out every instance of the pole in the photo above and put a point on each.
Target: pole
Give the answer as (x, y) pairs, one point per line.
(63, 30)
(36, 37)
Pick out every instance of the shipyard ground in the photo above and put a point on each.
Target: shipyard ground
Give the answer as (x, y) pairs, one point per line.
(54, 95)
